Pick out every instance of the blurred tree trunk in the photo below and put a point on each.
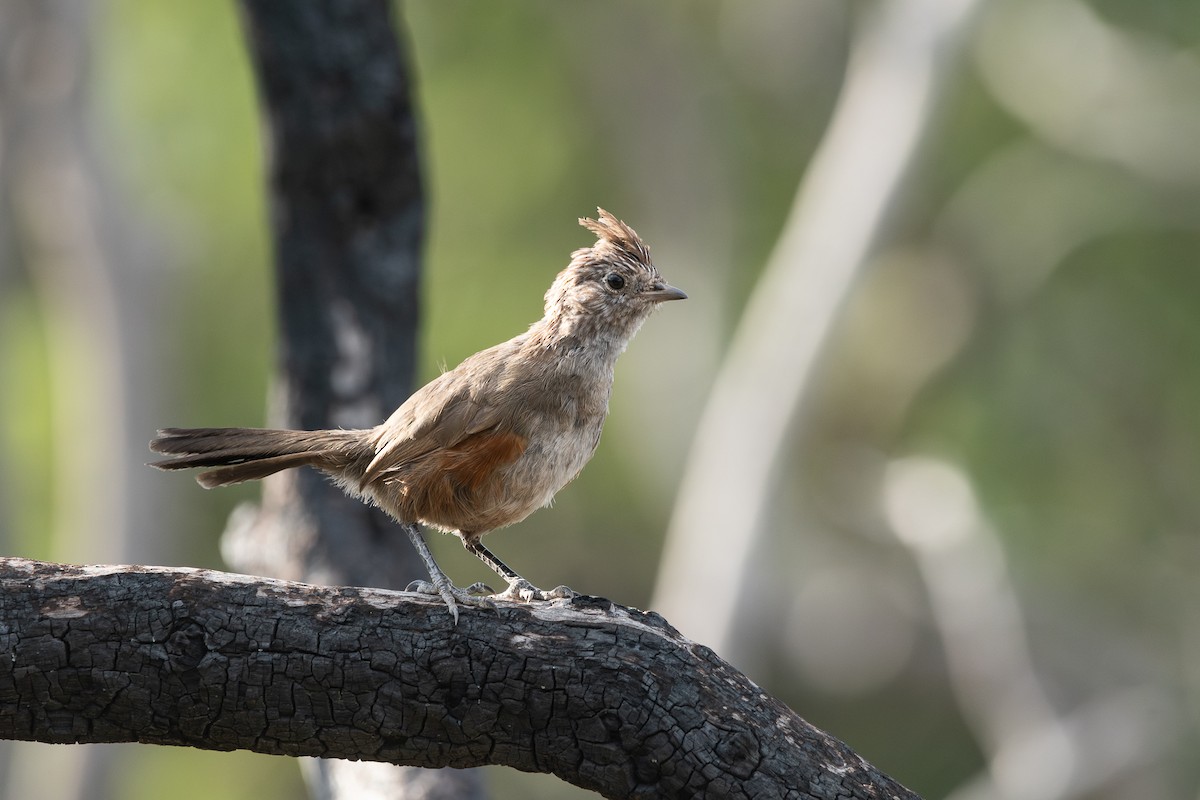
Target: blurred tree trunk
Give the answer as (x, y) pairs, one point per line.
(898, 66)
(348, 224)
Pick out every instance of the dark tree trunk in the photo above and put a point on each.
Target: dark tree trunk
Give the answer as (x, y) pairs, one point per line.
(347, 217)
(347, 224)
(608, 698)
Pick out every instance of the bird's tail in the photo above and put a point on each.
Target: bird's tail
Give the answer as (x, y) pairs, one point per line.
(246, 454)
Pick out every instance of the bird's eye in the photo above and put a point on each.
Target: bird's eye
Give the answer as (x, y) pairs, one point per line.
(614, 281)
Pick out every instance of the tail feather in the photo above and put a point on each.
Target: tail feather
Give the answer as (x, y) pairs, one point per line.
(253, 470)
(244, 454)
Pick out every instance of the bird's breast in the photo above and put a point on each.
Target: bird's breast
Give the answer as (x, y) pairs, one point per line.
(500, 476)
(552, 459)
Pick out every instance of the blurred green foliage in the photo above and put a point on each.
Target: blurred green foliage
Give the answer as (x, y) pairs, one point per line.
(25, 400)
(174, 89)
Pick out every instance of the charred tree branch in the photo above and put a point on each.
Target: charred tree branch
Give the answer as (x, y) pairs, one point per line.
(608, 698)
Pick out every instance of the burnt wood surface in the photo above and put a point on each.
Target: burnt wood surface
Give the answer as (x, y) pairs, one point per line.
(605, 697)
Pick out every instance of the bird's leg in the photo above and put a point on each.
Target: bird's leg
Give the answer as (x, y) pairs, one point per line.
(518, 587)
(441, 585)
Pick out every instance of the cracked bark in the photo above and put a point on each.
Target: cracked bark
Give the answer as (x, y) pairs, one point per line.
(605, 697)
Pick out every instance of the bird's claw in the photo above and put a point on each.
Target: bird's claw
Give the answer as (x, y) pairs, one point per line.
(523, 591)
(453, 595)
(425, 587)
(481, 595)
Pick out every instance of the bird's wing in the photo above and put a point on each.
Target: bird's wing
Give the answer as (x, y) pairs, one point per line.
(438, 416)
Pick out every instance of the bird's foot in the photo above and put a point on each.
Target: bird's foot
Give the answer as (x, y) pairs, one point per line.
(522, 590)
(473, 595)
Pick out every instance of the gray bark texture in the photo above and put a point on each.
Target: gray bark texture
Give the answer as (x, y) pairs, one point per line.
(347, 223)
(605, 697)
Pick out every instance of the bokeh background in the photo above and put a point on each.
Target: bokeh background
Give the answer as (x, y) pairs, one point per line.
(976, 556)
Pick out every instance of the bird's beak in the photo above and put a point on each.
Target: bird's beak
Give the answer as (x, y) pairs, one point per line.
(663, 292)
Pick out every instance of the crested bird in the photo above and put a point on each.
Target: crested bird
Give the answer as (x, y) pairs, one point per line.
(485, 444)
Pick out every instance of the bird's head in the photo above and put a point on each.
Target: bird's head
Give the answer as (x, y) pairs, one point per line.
(610, 287)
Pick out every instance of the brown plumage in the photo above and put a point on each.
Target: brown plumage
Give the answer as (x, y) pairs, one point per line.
(487, 443)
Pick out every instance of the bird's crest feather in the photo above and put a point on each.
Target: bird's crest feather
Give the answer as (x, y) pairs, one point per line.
(615, 234)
